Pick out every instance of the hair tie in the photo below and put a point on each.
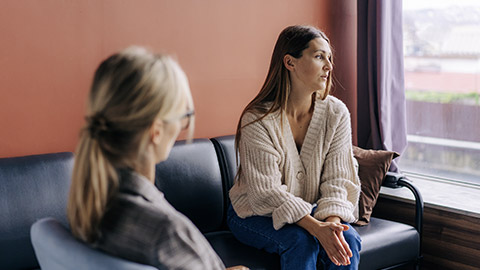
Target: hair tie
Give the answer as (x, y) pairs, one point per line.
(97, 124)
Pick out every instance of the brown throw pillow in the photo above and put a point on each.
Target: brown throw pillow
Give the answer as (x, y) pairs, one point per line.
(373, 165)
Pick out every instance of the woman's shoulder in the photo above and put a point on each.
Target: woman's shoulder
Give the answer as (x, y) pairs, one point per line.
(258, 115)
(335, 105)
(142, 214)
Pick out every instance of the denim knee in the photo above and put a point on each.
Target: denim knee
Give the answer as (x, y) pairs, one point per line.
(299, 239)
(353, 239)
(355, 243)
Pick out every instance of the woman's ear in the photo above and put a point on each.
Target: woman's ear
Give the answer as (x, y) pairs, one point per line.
(289, 62)
(156, 131)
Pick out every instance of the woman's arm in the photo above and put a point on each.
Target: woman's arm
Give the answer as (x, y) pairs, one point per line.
(340, 186)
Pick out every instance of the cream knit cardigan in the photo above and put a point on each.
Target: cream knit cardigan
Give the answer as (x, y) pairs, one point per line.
(277, 181)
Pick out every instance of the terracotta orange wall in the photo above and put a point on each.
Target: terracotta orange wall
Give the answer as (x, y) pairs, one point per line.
(49, 50)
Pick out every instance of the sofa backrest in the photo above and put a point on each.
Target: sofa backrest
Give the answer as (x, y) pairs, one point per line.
(225, 147)
(34, 187)
(31, 187)
(192, 182)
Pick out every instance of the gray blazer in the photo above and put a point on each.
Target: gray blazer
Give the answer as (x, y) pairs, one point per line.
(141, 226)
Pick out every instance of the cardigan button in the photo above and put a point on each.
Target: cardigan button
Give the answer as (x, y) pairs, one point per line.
(300, 175)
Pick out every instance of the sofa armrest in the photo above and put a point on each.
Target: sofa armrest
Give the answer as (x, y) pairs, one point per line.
(391, 179)
(398, 180)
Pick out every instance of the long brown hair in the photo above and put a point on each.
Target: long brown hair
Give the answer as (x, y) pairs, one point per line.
(130, 90)
(293, 40)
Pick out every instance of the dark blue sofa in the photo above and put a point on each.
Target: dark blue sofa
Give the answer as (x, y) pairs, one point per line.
(195, 179)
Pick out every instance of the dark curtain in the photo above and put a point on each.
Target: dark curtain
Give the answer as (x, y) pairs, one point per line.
(380, 77)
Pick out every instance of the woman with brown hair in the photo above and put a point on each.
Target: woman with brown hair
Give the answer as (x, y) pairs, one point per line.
(297, 185)
(138, 104)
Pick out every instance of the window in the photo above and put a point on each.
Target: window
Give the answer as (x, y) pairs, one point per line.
(442, 84)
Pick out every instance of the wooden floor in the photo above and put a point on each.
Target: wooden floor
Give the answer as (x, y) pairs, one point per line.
(450, 240)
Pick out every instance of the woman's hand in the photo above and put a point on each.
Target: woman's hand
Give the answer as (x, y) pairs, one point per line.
(340, 235)
(238, 267)
(330, 236)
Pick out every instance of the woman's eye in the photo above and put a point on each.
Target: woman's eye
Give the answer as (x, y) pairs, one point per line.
(319, 56)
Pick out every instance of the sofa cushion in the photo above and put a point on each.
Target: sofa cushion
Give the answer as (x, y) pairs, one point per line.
(31, 188)
(191, 180)
(373, 166)
(385, 243)
(232, 252)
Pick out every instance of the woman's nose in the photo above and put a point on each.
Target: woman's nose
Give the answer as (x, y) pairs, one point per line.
(328, 66)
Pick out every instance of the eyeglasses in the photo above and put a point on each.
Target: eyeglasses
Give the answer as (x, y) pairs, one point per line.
(185, 119)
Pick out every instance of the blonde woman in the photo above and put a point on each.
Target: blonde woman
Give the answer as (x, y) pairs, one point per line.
(138, 104)
(297, 186)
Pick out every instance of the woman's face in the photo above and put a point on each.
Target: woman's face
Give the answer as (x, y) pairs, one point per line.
(312, 69)
(170, 129)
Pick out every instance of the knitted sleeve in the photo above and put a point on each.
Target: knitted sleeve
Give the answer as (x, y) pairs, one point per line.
(261, 163)
(340, 185)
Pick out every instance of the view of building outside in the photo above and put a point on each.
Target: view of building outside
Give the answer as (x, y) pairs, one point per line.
(442, 83)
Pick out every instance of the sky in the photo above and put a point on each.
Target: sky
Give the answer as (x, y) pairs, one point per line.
(421, 4)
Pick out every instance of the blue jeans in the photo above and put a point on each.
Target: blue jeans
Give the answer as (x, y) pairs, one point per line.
(297, 248)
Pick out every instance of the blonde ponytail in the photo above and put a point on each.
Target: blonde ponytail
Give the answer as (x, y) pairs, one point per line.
(129, 91)
(94, 180)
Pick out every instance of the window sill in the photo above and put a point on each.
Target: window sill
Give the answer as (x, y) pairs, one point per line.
(463, 199)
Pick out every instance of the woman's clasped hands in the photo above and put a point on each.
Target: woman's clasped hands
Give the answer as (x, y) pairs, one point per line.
(330, 235)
